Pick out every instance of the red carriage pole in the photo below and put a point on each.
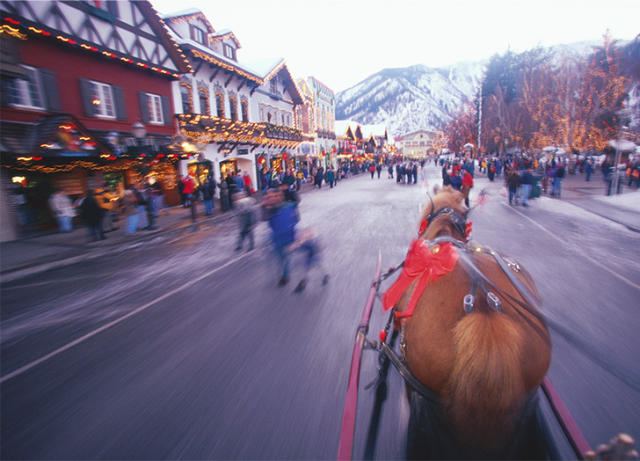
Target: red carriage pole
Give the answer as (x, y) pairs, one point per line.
(347, 431)
(569, 426)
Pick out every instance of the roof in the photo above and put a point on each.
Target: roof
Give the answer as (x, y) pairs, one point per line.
(378, 130)
(341, 127)
(200, 51)
(190, 12)
(225, 33)
(322, 84)
(263, 67)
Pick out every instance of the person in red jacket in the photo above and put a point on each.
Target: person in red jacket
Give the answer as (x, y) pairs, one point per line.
(467, 184)
(189, 188)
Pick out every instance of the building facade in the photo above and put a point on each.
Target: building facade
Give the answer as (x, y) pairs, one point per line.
(241, 116)
(86, 102)
(325, 116)
(418, 144)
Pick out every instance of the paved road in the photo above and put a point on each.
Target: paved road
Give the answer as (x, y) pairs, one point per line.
(183, 348)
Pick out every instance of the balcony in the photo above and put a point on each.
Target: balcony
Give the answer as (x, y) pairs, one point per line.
(205, 129)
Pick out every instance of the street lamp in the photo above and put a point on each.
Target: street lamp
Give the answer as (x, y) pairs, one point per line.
(139, 131)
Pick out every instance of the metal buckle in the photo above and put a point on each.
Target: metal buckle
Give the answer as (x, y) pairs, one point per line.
(513, 265)
(494, 301)
(467, 303)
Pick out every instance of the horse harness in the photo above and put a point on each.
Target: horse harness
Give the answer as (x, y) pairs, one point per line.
(479, 281)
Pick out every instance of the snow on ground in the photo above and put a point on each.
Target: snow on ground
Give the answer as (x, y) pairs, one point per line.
(630, 200)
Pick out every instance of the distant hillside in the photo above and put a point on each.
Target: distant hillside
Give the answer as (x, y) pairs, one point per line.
(421, 97)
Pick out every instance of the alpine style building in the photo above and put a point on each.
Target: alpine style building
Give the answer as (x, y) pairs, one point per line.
(241, 116)
(86, 101)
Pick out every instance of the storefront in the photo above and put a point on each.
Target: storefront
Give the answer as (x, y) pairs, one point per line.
(199, 170)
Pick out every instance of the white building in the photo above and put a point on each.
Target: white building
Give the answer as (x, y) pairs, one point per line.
(325, 116)
(240, 116)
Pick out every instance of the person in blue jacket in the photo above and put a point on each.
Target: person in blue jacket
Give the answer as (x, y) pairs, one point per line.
(283, 217)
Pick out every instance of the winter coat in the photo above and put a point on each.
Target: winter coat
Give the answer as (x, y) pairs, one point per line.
(61, 205)
(90, 210)
(282, 222)
(208, 189)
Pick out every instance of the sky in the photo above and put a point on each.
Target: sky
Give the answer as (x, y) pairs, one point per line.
(342, 42)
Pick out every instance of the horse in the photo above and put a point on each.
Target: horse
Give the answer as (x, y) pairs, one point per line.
(472, 334)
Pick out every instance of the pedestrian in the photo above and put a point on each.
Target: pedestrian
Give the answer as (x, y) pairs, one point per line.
(282, 217)
(414, 172)
(208, 190)
(557, 181)
(141, 206)
(379, 169)
(526, 184)
(467, 184)
(331, 177)
(92, 215)
(588, 169)
(318, 178)
(398, 175)
(248, 184)
(224, 195)
(103, 199)
(239, 182)
(513, 183)
(130, 211)
(231, 186)
(390, 172)
(246, 206)
(149, 195)
(190, 191)
(62, 208)
(372, 170)
(455, 179)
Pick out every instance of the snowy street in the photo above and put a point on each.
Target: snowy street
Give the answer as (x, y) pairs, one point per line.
(184, 348)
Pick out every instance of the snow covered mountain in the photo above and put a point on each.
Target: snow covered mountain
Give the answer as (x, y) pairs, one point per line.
(411, 98)
(420, 97)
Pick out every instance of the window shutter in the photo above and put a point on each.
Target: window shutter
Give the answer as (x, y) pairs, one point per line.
(121, 108)
(50, 87)
(144, 108)
(166, 111)
(86, 90)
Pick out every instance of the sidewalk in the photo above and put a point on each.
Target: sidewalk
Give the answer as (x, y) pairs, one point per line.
(33, 254)
(622, 208)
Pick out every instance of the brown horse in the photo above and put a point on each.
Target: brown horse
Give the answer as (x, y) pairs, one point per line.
(482, 364)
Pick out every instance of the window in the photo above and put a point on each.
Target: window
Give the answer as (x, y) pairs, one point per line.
(229, 52)
(269, 117)
(185, 96)
(203, 96)
(154, 109)
(25, 91)
(262, 119)
(233, 109)
(245, 110)
(220, 104)
(102, 100)
(198, 35)
(273, 85)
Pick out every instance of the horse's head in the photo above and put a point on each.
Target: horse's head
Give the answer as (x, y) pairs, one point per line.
(445, 214)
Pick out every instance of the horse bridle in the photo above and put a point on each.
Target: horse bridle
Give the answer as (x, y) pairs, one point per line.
(458, 220)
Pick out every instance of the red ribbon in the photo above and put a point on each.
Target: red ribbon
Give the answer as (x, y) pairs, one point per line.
(426, 266)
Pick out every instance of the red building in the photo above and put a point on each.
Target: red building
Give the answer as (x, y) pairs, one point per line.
(86, 101)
